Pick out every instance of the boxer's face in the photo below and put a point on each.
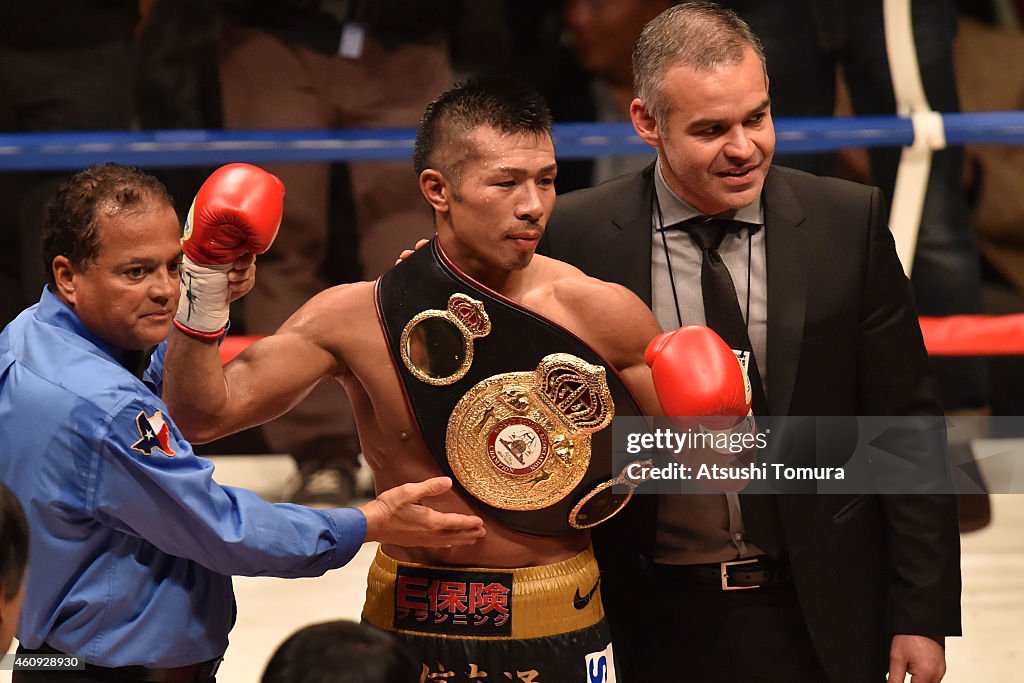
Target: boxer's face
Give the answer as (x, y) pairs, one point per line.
(499, 203)
(129, 293)
(717, 139)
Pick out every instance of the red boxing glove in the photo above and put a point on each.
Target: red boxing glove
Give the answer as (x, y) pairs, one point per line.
(236, 211)
(697, 374)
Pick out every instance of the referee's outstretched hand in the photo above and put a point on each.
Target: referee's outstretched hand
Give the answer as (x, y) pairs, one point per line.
(397, 517)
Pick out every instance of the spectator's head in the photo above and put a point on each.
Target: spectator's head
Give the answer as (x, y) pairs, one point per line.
(602, 33)
(111, 248)
(13, 562)
(486, 165)
(341, 652)
(702, 101)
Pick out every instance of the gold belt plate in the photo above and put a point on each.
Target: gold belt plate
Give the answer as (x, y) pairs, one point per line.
(521, 440)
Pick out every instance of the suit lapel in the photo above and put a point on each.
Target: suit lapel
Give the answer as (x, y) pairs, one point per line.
(627, 240)
(786, 255)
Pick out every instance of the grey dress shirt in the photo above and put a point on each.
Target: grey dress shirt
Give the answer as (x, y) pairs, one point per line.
(704, 528)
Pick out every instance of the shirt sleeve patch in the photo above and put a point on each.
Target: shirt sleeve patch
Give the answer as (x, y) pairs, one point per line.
(154, 434)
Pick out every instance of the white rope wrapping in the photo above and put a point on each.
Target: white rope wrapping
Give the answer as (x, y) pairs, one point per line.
(203, 305)
(929, 134)
(911, 186)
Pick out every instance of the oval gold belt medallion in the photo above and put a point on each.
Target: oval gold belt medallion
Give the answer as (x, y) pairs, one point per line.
(521, 440)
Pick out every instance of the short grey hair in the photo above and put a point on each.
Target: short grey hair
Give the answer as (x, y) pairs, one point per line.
(697, 34)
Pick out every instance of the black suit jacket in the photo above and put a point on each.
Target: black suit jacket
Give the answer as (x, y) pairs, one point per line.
(843, 339)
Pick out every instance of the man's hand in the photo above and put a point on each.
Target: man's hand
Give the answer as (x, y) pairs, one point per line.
(242, 276)
(409, 252)
(922, 657)
(396, 517)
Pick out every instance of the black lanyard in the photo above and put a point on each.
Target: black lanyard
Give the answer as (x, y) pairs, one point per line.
(656, 210)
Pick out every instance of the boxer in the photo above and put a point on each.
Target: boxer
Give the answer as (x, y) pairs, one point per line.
(516, 604)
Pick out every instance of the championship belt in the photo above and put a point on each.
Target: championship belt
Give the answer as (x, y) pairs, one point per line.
(513, 407)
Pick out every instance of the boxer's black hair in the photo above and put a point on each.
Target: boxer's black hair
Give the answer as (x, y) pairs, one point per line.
(71, 222)
(499, 102)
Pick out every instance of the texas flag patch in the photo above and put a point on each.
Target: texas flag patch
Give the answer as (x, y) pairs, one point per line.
(154, 433)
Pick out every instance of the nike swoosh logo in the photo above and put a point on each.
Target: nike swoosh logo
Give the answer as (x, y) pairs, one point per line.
(580, 602)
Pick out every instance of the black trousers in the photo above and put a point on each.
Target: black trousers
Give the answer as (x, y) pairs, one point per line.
(697, 632)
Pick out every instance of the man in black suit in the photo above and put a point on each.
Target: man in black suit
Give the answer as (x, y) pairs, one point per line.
(848, 587)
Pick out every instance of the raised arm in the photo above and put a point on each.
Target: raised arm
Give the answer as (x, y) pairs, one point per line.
(236, 213)
(209, 400)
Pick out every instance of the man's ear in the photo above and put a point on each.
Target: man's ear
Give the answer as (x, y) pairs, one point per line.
(64, 276)
(434, 187)
(643, 122)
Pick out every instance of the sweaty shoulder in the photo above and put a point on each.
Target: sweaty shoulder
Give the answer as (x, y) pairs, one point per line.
(602, 313)
(581, 292)
(335, 315)
(572, 285)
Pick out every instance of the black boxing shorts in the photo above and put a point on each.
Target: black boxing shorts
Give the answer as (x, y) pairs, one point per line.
(534, 624)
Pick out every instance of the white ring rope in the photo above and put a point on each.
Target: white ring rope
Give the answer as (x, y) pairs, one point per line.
(929, 134)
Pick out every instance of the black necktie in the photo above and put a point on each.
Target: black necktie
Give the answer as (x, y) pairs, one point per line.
(721, 305)
(722, 314)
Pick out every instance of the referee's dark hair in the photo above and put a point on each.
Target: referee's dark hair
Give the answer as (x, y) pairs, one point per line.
(71, 225)
(13, 544)
(341, 652)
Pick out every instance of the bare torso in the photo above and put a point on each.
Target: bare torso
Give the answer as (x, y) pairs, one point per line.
(389, 435)
(397, 453)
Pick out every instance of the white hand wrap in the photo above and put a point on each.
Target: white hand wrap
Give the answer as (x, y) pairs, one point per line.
(203, 305)
(726, 445)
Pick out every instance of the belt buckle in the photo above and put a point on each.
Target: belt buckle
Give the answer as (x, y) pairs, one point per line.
(725, 575)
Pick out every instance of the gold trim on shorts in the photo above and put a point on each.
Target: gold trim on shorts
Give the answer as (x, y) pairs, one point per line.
(544, 599)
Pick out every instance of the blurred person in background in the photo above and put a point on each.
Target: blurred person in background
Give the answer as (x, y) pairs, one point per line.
(593, 78)
(64, 66)
(318, 64)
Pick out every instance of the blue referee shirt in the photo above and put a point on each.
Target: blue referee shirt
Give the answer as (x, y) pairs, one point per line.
(133, 542)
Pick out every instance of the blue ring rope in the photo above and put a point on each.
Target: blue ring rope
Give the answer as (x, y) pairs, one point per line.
(73, 150)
